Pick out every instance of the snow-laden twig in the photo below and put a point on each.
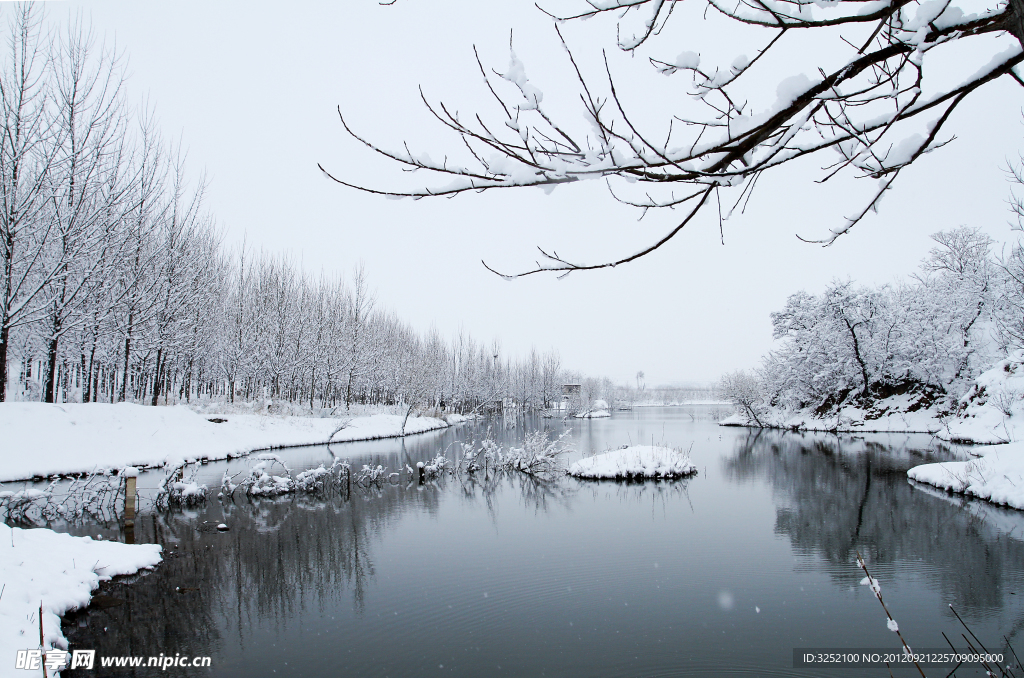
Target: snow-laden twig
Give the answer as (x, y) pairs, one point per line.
(876, 589)
(99, 495)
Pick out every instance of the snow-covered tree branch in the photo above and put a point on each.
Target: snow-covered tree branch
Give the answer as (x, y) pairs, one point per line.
(862, 86)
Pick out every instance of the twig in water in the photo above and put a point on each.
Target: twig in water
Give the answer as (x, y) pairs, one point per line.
(42, 646)
(877, 590)
(988, 668)
(1013, 652)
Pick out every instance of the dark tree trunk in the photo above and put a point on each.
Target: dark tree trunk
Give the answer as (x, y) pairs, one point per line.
(156, 376)
(5, 333)
(84, 379)
(127, 353)
(856, 354)
(51, 370)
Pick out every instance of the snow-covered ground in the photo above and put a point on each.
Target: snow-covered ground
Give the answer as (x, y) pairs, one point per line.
(998, 476)
(639, 461)
(597, 410)
(992, 411)
(42, 440)
(59, 571)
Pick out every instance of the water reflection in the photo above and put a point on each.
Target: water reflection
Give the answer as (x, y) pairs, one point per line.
(311, 553)
(478, 571)
(839, 495)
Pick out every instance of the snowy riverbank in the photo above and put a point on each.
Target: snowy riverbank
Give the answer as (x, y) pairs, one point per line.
(897, 414)
(60, 572)
(44, 440)
(997, 476)
(991, 412)
(990, 415)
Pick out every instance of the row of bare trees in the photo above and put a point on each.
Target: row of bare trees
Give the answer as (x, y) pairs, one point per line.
(72, 166)
(114, 284)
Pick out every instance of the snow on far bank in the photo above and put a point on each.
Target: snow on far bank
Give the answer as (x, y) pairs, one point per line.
(896, 414)
(39, 439)
(681, 403)
(991, 412)
(998, 476)
(59, 570)
(639, 461)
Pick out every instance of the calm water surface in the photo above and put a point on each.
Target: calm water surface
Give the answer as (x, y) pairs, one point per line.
(723, 574)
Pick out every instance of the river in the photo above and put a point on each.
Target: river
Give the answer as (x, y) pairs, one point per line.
(722, 574)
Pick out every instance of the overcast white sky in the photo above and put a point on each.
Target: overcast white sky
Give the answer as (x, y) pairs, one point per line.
(252, 89)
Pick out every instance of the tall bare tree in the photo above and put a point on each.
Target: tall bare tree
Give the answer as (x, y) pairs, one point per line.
(90, 186)
(27, 151)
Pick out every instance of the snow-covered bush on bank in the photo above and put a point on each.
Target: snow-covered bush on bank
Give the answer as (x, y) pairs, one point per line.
(597, 410)
(992, 410)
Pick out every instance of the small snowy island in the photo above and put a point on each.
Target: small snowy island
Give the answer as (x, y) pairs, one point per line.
(599, 410)
(635, 463)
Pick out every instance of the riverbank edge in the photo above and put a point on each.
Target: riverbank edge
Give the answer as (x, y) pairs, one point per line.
(72, 439)
(994, 475)
(42, 549)
(50, 573)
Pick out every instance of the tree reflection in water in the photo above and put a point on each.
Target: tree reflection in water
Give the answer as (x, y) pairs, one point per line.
(838, 494)
(280, 556)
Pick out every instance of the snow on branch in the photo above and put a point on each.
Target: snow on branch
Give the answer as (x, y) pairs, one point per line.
(869, 107)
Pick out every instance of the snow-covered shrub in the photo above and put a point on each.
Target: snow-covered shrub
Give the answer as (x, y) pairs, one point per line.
(372, 475)
(538, 455)
(323, 478)
(28, 505)
(437, 466)
(271, 477)
(99, 495)
(178, 489)
(479, 455)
